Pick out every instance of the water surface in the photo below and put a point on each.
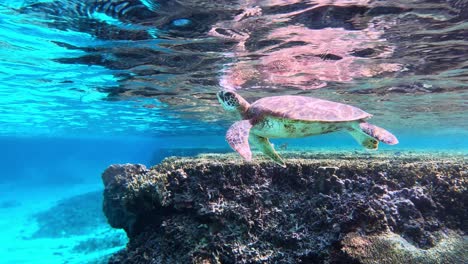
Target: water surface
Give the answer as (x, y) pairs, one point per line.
(153, 67)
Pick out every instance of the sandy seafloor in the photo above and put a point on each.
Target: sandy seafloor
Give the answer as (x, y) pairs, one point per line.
(18, 226)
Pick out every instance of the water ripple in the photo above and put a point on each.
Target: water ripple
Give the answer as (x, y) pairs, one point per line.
(153, 67)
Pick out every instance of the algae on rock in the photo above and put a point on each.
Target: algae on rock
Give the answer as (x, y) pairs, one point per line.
(390, 248)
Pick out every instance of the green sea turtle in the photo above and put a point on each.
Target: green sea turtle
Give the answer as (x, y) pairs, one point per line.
(291, 116)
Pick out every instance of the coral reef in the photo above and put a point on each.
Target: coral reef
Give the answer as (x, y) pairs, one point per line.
(161, 154)
(323, 208)
(76, 230)
(77, 215)
(100, 242)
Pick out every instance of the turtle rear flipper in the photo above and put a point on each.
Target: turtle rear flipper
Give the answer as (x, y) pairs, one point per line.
(264, 145)
(238, 138)
(365, 140)
(378, 133)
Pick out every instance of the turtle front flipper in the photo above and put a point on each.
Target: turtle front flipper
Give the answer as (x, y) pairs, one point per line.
(264, 145)
(378, 133)
(238, 138)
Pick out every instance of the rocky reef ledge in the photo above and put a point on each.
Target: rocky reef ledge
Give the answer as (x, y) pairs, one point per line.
(323, 208)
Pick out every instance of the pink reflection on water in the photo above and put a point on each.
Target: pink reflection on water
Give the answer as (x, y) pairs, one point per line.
(317, 2)
(314, 56)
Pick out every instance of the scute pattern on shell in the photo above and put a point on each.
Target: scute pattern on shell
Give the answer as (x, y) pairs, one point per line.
(306, 109)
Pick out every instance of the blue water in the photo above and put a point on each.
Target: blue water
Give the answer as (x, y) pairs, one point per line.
(85, 84)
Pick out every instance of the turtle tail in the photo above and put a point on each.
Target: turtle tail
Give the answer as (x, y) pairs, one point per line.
(378, 133)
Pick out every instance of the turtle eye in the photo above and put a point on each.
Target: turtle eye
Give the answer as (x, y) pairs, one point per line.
(230, 98)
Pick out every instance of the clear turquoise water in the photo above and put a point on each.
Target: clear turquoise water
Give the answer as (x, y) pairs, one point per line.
(83, 87)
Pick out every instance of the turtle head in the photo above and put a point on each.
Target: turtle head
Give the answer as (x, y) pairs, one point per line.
(232, 102)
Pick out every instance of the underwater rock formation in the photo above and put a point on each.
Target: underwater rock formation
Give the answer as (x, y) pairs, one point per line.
(322, 208)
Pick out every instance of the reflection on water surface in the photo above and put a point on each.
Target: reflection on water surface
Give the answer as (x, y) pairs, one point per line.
(153, 67)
